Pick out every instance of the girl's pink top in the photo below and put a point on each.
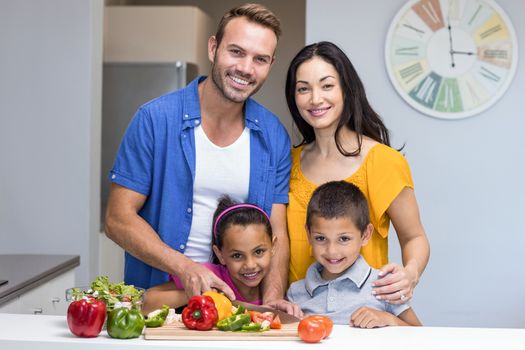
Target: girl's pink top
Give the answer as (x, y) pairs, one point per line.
(222, 272)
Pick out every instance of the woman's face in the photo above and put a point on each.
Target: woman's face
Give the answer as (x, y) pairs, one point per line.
(318, 94)
(246, 251)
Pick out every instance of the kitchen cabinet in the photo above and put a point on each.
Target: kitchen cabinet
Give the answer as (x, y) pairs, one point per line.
(49, 298)
(37, 283)
(157, 34)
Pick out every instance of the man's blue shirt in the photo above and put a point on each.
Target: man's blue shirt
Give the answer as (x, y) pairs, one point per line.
(157, 159)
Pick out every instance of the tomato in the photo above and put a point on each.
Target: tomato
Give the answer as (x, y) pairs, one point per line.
(326, 321)
(276, 323)
(311, 330)
(259, 317)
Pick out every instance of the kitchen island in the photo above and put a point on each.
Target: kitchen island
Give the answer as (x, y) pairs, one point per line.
(42, 332)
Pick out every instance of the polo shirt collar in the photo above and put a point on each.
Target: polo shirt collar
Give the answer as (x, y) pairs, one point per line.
(358, 273)
(192, 109)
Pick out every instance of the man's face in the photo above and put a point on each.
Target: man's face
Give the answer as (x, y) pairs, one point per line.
(242, 61)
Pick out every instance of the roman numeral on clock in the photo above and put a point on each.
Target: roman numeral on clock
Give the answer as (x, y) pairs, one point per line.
(417, 30)
(489, 74)
(490, 31)
(474, 15)
(411, 72)
(407, 51)
(426, 91)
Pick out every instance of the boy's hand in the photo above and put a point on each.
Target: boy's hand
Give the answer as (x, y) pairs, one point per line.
(366, 317)
(286, 306)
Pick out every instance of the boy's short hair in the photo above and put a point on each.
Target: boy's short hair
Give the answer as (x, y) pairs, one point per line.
(254, 13)
(339, 199)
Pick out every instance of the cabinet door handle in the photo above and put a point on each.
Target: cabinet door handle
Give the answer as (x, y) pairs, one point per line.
(37, 310)
(55, 300)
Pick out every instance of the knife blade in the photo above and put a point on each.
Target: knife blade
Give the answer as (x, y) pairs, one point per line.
(283, 316)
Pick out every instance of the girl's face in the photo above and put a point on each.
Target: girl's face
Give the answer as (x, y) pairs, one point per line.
(318, 94)
(246, 251)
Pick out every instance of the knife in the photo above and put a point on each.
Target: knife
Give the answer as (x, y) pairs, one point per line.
(283, 316)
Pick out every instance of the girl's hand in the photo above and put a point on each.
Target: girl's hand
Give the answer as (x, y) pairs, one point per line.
(286, 306)
(396, 284)
(367, 317)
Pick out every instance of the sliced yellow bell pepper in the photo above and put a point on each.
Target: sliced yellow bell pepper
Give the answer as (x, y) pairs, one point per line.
(222, 303)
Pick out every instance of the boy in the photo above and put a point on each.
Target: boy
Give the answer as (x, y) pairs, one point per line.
(338, 284)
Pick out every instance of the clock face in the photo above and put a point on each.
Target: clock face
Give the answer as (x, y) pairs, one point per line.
(451, 58)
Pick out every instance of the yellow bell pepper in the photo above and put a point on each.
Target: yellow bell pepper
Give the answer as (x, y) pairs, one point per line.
(222, 303)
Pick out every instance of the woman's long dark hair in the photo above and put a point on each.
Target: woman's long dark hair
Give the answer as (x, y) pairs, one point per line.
(357, 113)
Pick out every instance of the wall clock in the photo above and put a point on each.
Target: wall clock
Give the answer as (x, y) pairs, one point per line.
(451, 58)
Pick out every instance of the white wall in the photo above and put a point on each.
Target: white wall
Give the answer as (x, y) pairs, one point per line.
(50, 79)
(468, 174)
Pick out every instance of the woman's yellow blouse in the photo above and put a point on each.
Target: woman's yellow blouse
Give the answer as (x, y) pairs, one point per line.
(382, 176)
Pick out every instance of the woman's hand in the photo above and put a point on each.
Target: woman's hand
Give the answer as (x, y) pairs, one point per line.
(395, 283)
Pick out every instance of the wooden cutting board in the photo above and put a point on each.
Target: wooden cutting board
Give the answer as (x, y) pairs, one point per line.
(177, 331)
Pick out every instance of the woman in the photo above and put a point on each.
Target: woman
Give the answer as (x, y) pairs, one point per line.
(344, 139)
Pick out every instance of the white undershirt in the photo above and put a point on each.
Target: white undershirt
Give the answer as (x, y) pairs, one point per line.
(218, 171)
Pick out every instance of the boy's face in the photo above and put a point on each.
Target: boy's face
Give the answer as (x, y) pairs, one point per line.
(336, 244)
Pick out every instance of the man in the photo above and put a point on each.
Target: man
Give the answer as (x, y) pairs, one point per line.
(183, 150)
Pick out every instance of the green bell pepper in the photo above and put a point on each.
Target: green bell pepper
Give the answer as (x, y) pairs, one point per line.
(156, 318)
(251, 327)
(239, 310)
(124, 323)
(234, 322)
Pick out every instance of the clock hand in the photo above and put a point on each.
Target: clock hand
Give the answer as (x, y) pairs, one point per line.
(454, 52)
(452, 63)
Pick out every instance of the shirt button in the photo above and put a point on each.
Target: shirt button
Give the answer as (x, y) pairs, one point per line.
(197, 122)
(182, 246)
(184, 135)
(188, 210)
(256, 120)
(186, 116)
(332, 299)
(113, 176)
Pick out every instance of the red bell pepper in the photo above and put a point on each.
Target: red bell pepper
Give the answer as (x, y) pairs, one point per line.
(200, 314)
(85, 317)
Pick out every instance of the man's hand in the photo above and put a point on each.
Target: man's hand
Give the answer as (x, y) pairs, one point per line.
(197, 279)
(286, 306)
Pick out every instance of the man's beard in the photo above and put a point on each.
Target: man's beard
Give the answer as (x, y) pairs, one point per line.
(219, 81)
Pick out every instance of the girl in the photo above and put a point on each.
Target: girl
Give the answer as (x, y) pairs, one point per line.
(242, 250)
(345, 139)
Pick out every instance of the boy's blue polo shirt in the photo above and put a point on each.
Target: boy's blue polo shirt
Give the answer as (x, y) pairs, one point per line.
(341, 297)
(157, 159)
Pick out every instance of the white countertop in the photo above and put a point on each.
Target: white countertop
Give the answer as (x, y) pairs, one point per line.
(36, 332)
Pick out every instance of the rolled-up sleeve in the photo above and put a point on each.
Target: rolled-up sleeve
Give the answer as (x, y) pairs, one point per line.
(134, 161)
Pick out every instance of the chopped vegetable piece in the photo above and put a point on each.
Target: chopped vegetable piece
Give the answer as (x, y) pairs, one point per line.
(222, 303)
(158, 317)
(234, 322)
(251, 327)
